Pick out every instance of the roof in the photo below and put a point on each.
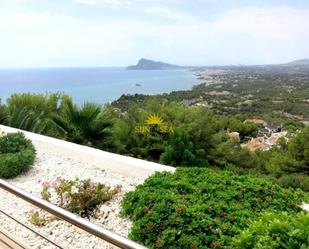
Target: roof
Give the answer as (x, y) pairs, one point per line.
(233, 134)
(273, 139)
(255, 121)
(256, 144)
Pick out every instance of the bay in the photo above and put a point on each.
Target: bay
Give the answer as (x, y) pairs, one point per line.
(96, 84)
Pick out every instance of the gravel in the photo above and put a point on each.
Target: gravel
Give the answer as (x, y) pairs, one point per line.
(47, 167)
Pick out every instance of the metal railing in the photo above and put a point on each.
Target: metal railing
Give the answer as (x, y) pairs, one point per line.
(73, 219)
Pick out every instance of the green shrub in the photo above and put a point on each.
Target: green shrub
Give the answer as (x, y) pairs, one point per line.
(86, 125)
(78, 196)
(228, 151)
(17, 155)
(3, 113)
(178, 151)
(295, 181)
(201, 208)
(294, 158)
(32, 112)
(275, 231)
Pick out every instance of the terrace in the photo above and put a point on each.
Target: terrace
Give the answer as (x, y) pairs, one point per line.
(59, 158)
(28, 221)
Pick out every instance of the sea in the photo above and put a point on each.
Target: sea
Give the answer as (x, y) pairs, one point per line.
(100, 84)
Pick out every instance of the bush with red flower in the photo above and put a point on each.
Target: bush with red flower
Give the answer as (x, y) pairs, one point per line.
(78, 196)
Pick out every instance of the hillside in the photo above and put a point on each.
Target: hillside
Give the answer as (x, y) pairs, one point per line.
(269, 91)
(300, 62)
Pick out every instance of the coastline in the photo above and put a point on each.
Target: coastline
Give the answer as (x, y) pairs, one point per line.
(100, 85)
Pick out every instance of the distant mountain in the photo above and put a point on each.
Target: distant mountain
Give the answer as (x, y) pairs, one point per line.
(146, 64)
(301, 62)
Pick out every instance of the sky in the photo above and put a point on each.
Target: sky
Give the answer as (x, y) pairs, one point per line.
(73, 33)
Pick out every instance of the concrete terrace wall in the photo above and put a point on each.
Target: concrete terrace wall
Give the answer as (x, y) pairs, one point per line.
(127, 166)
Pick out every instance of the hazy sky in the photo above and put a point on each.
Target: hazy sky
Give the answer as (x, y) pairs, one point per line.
(118, 32)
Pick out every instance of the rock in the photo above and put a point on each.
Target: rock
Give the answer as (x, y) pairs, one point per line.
(146, 64)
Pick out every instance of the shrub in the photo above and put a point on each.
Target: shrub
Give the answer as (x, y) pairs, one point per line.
(178, 151)
(86, 125)
(292, 159)
(28, 120)
(17, 155)
(32, 112)
(275, 231)
(40, 220)
(295, 181)
(201, 208)
(77, 196)
(3, 113)
(228, 150)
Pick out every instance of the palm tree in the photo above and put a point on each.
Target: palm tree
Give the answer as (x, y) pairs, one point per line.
(3, 114)
(85, 125)
(26, 119)
(32, 112)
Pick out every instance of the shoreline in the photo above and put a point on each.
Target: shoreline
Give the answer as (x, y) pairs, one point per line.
(100, 87)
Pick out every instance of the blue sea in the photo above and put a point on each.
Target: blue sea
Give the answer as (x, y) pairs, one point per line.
(99, 85)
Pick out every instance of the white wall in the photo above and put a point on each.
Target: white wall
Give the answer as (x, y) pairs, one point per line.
(127, 166)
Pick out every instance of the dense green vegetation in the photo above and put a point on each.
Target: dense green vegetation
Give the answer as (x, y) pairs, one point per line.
(293, 157)
(17, 155)
(83, 125)
(32, 112)
(203, 208)
(56, 115)
(273, 93)
(197, 135)
(276, 231)
(220, 190)
(201, 141)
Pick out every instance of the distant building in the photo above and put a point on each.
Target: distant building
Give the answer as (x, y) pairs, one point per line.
(273, 139)
(255, 121)
(233, 134)
(264, 143)
(255, 144)
(265, 129)
(268, 130)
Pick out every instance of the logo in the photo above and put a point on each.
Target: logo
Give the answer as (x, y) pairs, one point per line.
(154, 120)
(154, 123)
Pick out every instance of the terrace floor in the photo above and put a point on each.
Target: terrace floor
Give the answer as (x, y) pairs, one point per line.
(7, 241)
(47, 167)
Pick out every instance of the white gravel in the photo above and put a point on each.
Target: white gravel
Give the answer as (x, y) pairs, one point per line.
(47, 167)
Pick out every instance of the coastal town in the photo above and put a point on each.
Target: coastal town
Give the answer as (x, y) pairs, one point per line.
(268, 136)
(276, 90)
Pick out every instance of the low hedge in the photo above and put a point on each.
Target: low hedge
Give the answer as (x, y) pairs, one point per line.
(17, 155)
(276, 231)
(201, 208)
